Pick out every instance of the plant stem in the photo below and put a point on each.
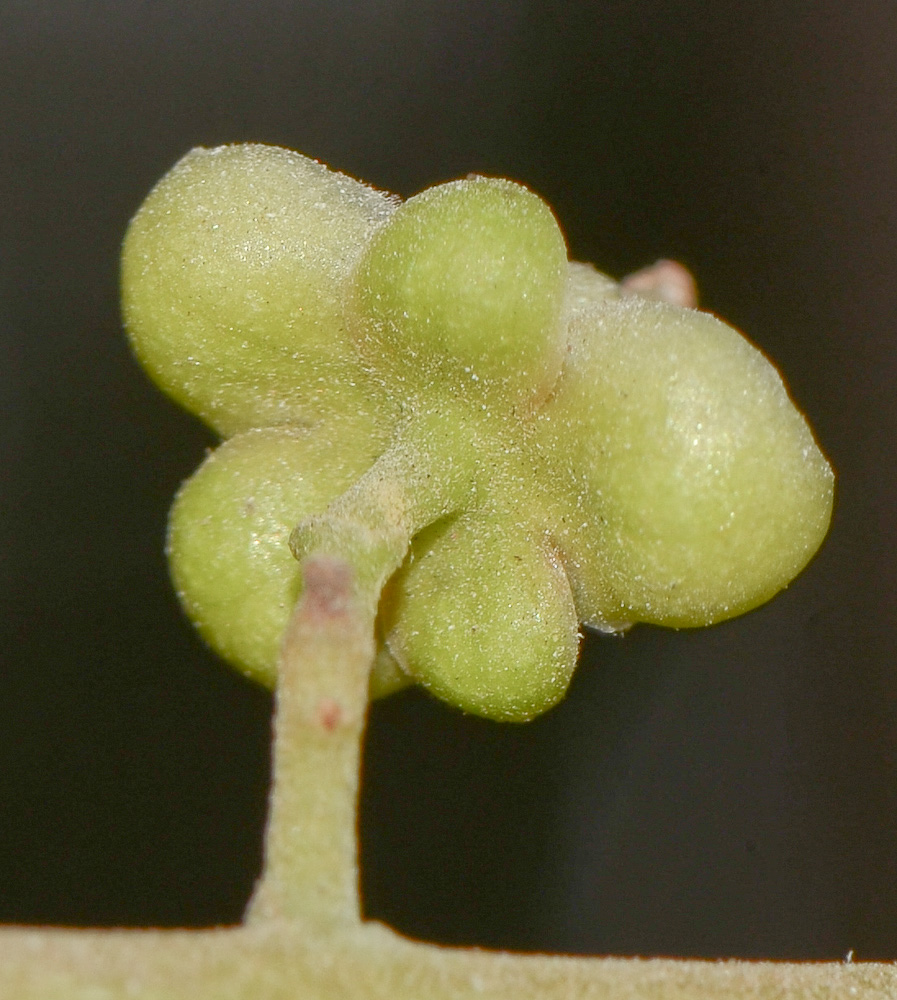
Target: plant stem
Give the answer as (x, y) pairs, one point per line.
(284, 961)
(304, 939)
(311, 868)
(371, 525)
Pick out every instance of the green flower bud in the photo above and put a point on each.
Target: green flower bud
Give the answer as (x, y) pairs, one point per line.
(228, 541)
(234, 278)
(698, 489)
(482, 615)
(467, 279)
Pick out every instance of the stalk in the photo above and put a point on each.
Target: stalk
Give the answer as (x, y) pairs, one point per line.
(311, 865)
(303, 938)
(428, 472)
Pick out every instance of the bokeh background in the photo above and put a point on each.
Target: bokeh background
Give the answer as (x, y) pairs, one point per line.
(717, 793)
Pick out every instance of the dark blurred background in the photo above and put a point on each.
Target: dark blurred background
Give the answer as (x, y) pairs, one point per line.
(716, 793)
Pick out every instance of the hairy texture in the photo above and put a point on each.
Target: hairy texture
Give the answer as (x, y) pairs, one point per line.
(304, 939)
(290, 962)
(505, 443)
(447, 447)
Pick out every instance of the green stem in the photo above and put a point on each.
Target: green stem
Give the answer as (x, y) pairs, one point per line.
(288, 962)
(304, 940)
(371, 525)
(348, 554)
(311, 869)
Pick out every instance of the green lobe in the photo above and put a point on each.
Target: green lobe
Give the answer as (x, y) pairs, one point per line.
(228, 540)
(482, 616)
(468, 278)
(234, 277)
(698, 489)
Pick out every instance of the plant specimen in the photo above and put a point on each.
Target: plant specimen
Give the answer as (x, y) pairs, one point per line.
(445, 448)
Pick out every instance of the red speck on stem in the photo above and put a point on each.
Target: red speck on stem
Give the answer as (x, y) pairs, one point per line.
(330, 714)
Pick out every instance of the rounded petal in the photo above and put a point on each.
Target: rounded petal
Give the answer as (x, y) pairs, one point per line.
(228, 537)
(697, 487)
(468, 277)
(482, 616)
(234, 277)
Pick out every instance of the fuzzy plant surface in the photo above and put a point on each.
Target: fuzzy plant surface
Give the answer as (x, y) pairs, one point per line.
(446, 448)
(503, 444)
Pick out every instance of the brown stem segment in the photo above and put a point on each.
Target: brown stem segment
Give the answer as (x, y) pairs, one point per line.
(311, 868)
